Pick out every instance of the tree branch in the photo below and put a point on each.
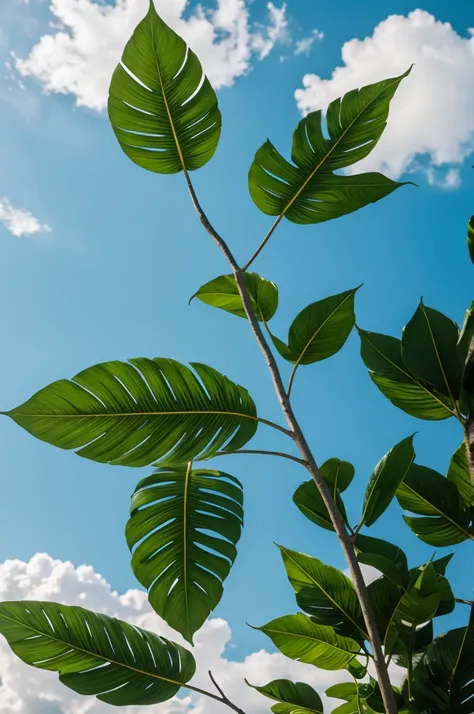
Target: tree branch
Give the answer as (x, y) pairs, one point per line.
(262, 453)
(303, 447)
(224, 698)
(263, 243)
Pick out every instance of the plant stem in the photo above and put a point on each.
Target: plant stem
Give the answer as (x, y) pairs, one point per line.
(469, 442)
(263, 243)
(222, 698)
(263, 453)
(305, 451)
(464, 602)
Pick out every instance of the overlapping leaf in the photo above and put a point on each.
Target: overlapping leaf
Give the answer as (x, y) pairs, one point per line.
(222, 292)
(308, 190)
(292, 697)
(163, 111)
(94, 654)
(459, 474)
(134, 413)
(387, 558)
(183, 530)
(338, 476)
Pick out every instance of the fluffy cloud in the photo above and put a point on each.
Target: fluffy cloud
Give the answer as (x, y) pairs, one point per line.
(305, 45)
(25, 690)
(432, 116)
(19, 221)
(87, 39)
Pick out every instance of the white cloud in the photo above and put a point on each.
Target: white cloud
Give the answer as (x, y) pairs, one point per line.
(305, 45)
(19, 221)
(80, 53)
(26, 690)
(432, 115)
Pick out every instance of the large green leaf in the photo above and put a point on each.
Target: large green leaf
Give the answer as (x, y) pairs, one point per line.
(222, 292)
(320, 330)
(386, 557)
(382, 355)
(308, 190)
(445, 516)
(134, 413)
(470, 238)
(163, 112)
(183, 530)
(299, 638)
(429, 350)
(292, 697)
(361, 697)
(309, 501)
(459, 474)
(385, 479)
(443, 681)
(94, 654)
(324, 593)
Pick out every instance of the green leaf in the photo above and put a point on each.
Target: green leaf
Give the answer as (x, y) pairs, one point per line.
(342, 690)
(441, 564)
(164, 118)
(324, 593)
(442, 681)
(470, 238)
(445, 516)
(382, 355)
(94, 654)
(458, 473)
(411, 643)
(308, 190)
(222, 292)
(337, 474)
(134, 413)
(387, 558)
(292, 697)
(183, 530)
(299, 638)
(283, 349)
(467, 331)
(385, 479)
(429, 350)
(309, 501)
(322, 328)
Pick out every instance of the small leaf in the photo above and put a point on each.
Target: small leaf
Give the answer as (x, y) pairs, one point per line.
(458, 473)
(467, 331)
(283, 349)
(183, 530)
(385, 479)
(337, 474)
(222, 292)
(441, 564)
(309, 501)
(382, 355)
(95, 654)
(292, 697)
(446, 517)
(470, 238)
(429, 350)
(342, 690)
(301, 639)
(387, 558)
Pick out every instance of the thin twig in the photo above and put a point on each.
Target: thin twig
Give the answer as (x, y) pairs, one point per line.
(263, 243)
(464, 602)
(224, 698)
(303, 447)
(263, 453)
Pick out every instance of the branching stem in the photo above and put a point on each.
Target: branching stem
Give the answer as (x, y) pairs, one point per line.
(281, 454)
(303, 447)
(221, 698)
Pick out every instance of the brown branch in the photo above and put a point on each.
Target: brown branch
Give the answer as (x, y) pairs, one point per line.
(224, 698)
(305, 451)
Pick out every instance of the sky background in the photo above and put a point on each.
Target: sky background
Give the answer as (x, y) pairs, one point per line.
(98, 259)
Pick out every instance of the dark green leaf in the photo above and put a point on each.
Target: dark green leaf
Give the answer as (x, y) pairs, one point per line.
(222, 292)
(385, 479)
(458, 473)
(299, 638)
(441, 564)
(467, 332)
(310, 502)
(283, 349)
(337, 474)
(308, 190)
(429, 350)
(164, 115)
(121, 664)
(387, 558)
(324, 593)
(382, 355)
(134, 413)
(411, 643)
(292, 697)
(183, 530)
(470, 238)
(446, 517)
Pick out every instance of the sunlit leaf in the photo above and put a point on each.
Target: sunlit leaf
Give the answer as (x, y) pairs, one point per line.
(222, 292)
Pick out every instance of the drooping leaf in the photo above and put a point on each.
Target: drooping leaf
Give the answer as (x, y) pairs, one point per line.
(163, 112)
(292, 697)
(309, 501)
(387, 558)
(324, 593)
(470, 238)
(385, 479)
(429, 350)
(222, 292)
(299, 638)
(445, 516)
(134, 413)
(442, 681)
(337, 474)
(95, 654)
(183, 530)
(308, 190)
(382, 355)
(458, 473)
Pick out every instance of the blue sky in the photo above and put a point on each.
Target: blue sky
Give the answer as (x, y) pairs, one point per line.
(113, 277)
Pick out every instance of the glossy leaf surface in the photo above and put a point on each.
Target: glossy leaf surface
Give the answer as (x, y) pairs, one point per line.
(222, 292)
(292, 697)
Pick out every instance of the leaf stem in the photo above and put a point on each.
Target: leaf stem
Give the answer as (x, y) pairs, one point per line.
(222, 698)
(305, 451)
(263, 453)
(263, 243)
(464, 602)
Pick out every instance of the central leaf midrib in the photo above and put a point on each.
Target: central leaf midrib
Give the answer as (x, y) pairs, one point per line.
(444, 515)
(185, 543)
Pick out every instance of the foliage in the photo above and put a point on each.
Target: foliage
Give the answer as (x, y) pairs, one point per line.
(185, 522)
